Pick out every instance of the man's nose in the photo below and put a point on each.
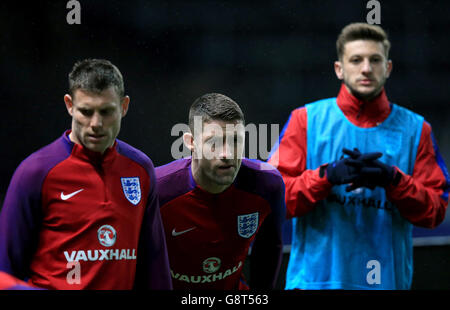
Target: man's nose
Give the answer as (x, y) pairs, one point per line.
(96, 120)
(227, 151)
(366, 66)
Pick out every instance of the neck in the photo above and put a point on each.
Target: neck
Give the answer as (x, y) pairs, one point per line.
(74, 139)
(364, 113)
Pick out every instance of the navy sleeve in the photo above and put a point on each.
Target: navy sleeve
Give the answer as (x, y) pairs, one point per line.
(21, 214)
(267, 250)
(153, 271)
(20, 220)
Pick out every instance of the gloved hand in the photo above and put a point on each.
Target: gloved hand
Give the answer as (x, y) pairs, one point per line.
(340, 172)
(347, 170)
(372, 172)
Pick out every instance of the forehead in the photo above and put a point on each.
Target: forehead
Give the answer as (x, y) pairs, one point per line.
(107, 97)
(218, 128)
(363, 48)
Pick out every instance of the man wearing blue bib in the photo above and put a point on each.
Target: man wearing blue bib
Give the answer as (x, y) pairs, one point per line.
(359, 172)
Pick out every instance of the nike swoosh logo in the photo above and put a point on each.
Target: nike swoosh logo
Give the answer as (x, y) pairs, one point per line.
(65, 197)
(177, 233)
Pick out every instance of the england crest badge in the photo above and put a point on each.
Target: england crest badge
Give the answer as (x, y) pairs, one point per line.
(247, 224)
(132, 189)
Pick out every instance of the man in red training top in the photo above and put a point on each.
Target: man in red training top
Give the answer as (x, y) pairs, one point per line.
(82, 212)
(215, 204)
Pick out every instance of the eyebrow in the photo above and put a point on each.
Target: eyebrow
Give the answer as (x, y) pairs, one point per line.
(235, 135)
(371, 55)
(105, 105)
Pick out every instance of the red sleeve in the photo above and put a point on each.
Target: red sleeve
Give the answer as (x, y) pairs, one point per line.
(304, 188)
(9, 282)
(423, 197)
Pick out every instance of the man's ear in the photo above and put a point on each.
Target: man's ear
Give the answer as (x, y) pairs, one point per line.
(389, 68)
(69, 104)
(338, 69)
(124, 105)
(188, 140)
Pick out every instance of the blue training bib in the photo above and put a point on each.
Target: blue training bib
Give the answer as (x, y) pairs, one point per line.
(355, 240)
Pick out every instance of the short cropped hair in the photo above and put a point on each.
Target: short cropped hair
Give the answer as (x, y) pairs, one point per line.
(215, 106)
(362, 31)
(95, 75)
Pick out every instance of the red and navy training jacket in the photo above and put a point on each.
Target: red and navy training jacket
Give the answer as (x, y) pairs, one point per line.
(208, 235)
(77, 219)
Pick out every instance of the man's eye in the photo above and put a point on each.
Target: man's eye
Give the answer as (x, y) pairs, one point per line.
(106, 112)
(355, 60)
(85, 112)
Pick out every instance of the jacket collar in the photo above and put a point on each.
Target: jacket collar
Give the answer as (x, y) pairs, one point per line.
(364, 113)
(85, 154)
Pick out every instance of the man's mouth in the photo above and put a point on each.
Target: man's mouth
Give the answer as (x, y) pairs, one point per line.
(365, 81)
(225, 167)
(96, 137)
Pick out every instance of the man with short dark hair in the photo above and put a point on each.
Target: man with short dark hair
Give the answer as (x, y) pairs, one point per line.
(216, 203)
(359, 172)
(82, 212)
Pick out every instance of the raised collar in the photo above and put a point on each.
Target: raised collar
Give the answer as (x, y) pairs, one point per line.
(85, 154)
(364, 113)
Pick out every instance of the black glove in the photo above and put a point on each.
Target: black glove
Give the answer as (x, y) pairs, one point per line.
(372, 172)
(339, 172)
(347, 170)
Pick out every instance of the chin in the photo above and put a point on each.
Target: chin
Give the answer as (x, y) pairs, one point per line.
(365, 94)
(225, 180)
(95, 148)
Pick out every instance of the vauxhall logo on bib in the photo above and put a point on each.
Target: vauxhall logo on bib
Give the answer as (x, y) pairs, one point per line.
(247, 224)
(131, 189)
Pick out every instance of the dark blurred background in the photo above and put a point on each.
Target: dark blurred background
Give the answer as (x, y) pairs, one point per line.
(269, 56)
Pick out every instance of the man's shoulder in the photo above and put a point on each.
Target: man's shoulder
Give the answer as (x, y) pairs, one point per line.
(261, 175)
(259, 167)
(264, 180)
(403, 116)
(34, 168)
(48, 156)
(405, 110)
(135, 155)
(322, 102)
(173, 179)
(316, 103)
(172, 169)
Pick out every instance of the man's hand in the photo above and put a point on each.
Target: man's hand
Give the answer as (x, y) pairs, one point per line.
(371, 171)
(347, 170)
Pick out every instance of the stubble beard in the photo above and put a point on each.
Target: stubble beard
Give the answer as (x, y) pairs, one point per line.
(368, 96)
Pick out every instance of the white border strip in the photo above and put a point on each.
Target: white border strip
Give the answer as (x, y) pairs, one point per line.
(426, 241)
